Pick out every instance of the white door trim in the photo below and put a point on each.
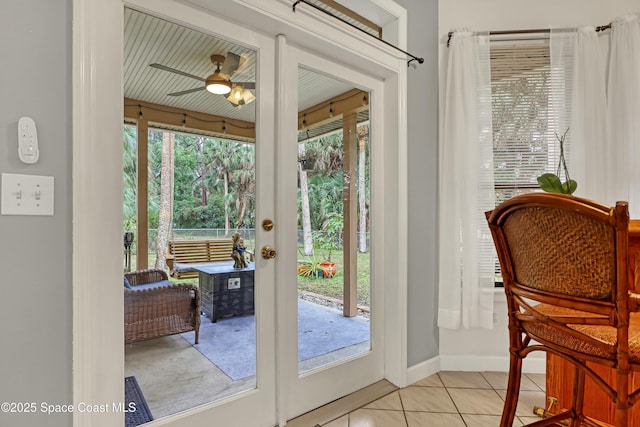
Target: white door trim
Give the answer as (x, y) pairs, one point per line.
(98, 370)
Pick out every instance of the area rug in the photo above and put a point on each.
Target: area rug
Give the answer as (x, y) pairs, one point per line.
(230, 343)
(135, 404)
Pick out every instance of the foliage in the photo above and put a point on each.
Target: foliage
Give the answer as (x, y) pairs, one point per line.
(334, 286)
(202, 165)
(551, 183)
(311, 266)
(330, 237)
(325, 198)
(190, 215)
(129, 165)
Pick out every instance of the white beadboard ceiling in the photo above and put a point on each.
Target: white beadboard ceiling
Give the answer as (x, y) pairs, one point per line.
(149, 39)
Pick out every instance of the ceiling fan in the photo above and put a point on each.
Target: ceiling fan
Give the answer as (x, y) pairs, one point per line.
(219, 82)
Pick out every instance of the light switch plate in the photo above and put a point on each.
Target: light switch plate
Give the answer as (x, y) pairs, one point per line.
(27, 195)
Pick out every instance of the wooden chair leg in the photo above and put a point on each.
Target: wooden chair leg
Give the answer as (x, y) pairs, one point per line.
(577, 400)
(622, 404)
(513, 391)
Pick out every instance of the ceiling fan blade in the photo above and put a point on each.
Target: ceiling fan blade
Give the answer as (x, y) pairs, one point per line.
(246, 85)
(185, 92)
(230, 64)
(173, 70)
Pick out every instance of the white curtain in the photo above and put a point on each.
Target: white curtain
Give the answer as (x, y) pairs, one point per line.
(466, 272)
(623, 92)
(579, 62)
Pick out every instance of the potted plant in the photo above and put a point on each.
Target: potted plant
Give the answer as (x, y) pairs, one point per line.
(314, 266)
(551, 183)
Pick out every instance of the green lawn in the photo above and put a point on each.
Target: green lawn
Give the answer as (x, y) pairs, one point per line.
(333, 287)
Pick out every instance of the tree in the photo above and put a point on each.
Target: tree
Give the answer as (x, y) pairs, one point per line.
(246, 182)
(363, 136)
(129, 168)
(223, 163)
(304, 203)
(166, 198)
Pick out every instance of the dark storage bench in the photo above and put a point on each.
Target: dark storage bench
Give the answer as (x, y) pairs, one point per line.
(226, 291)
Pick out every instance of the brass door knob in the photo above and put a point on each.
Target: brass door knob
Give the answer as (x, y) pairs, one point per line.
(268, 252)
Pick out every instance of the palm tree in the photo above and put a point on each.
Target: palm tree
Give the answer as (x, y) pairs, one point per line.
(222, 165)
(246, 181)
(324, 155)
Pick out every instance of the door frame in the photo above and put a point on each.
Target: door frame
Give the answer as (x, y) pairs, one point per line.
(96, 83)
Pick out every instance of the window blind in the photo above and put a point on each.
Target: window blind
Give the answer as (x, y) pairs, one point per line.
(529, 104)
(528, 110)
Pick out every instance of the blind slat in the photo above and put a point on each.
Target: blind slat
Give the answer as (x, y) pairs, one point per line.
(526, 114)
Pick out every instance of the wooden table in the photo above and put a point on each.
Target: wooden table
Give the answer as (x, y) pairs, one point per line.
(560, 373)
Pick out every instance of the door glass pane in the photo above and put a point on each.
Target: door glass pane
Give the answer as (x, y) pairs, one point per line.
(333, 217)
(196, 149)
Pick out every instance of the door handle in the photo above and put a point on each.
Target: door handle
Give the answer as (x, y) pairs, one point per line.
(268, 252)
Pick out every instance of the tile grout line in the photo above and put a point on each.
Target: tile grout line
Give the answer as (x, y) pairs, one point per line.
(490, 387)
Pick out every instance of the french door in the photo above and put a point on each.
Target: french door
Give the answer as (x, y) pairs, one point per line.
(233, 380)
(318, 158)
(328, 146)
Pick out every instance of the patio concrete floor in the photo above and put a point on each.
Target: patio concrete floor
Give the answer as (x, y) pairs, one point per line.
(175, 377)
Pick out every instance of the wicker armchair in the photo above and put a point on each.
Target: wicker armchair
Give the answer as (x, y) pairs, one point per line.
(564, 266)
(154, 312)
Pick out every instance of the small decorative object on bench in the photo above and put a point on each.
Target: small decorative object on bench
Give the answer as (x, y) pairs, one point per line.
(154, 307)
(239, 260)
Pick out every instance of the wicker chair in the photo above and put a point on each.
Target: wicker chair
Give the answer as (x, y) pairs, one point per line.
(158, 311)
(564, 266)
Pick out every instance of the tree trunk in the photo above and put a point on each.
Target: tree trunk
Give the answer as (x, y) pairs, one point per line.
(203, 171)
(241, 204)
(227, 225)
(363, 133)
(166, 199)
(304, 202)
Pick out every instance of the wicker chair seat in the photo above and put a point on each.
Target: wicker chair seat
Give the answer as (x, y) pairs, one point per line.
(604, 334)
(160, 310)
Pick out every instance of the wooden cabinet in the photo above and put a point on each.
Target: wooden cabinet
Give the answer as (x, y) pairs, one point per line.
(560, 373)
(596, 403)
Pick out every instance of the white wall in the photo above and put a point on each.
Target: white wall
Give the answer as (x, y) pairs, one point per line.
(483, 349)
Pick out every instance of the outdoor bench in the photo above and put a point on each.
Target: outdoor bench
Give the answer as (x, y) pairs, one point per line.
(183, 253)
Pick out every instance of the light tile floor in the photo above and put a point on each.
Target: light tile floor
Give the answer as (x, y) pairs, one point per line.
(471, 399)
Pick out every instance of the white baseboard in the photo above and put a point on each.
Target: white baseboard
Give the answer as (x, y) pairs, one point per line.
(422, 370)
(530, 365)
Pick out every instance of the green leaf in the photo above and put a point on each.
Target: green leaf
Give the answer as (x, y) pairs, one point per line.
(550, 183)
(569, 187)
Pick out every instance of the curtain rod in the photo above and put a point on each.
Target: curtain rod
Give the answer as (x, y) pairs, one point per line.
(534, 31)
(413, 57)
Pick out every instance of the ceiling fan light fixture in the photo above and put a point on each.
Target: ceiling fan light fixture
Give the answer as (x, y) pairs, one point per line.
(240, 96)
(216, 84)
(235, 96)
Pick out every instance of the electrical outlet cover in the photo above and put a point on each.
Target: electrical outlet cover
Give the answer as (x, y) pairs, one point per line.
(233, 283)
